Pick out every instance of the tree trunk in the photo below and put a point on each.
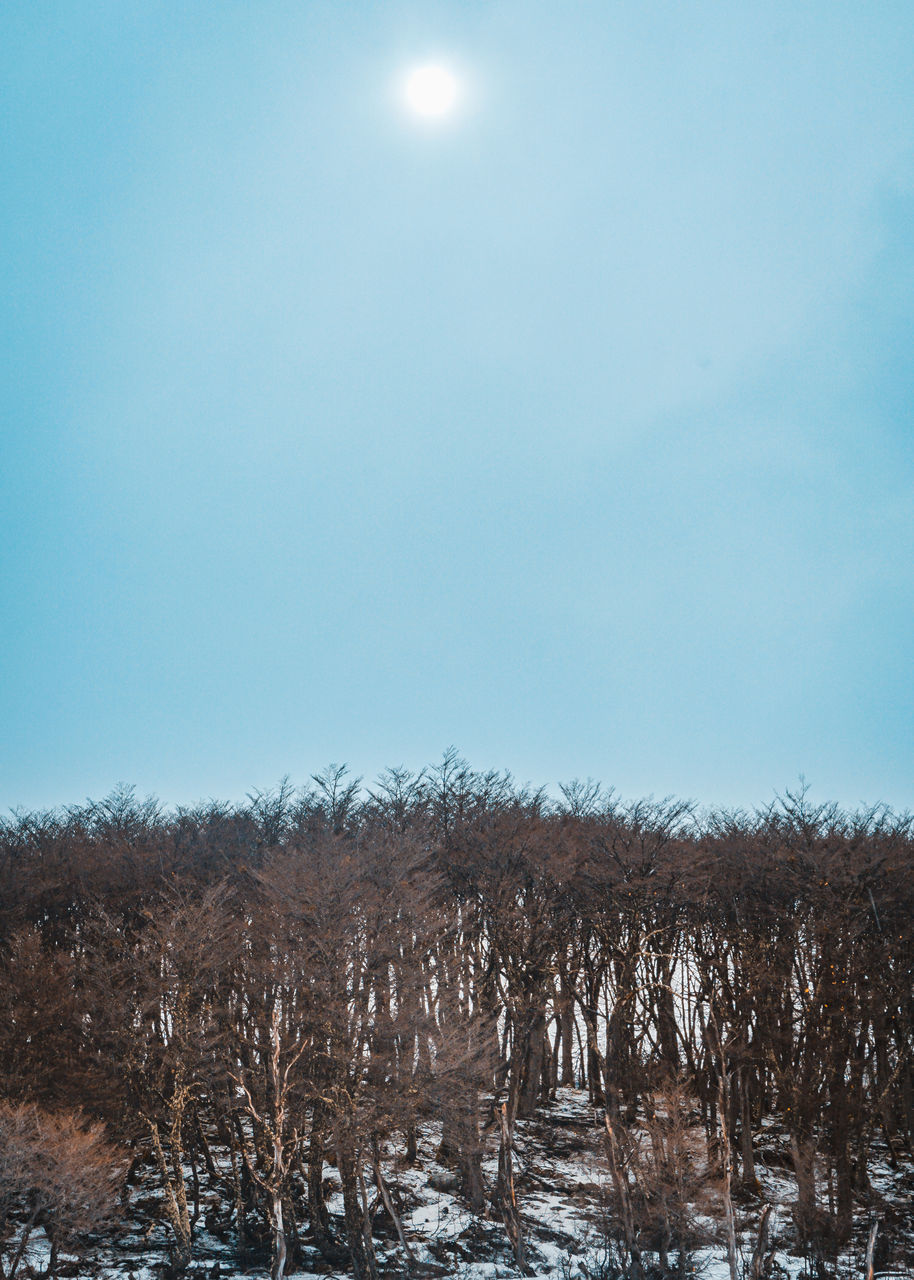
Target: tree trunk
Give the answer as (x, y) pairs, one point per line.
(723, 1112)
(317, 1207)
(175, 1199)
(506, 1199)
(623, 1195)
(757, 1265)
(869, 1266)
(667, 1030)
(749, 1179)
(279, 1238)
(361, 1250)
(388, 1203)
(803, 1151)
(531, 1064)
(470, 1152)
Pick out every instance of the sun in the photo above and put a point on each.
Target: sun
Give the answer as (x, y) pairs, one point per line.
(431, 90)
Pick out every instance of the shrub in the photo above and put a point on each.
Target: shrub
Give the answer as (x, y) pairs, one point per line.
(57, 1173)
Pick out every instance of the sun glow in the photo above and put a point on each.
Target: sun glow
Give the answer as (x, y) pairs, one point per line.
(431, 90)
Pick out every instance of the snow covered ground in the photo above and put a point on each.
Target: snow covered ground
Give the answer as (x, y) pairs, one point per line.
(565, 1197)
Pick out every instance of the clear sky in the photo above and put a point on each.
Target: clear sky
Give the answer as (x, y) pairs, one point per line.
(573, 429)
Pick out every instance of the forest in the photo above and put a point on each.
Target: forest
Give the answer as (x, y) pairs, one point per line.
(258, 1016)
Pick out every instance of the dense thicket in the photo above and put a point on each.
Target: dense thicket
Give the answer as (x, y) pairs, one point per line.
(289, 980)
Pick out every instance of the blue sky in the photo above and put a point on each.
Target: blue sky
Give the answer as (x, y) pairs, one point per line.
(574, 430)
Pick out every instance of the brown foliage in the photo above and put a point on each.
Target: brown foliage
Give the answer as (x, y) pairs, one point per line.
(56, 1173)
